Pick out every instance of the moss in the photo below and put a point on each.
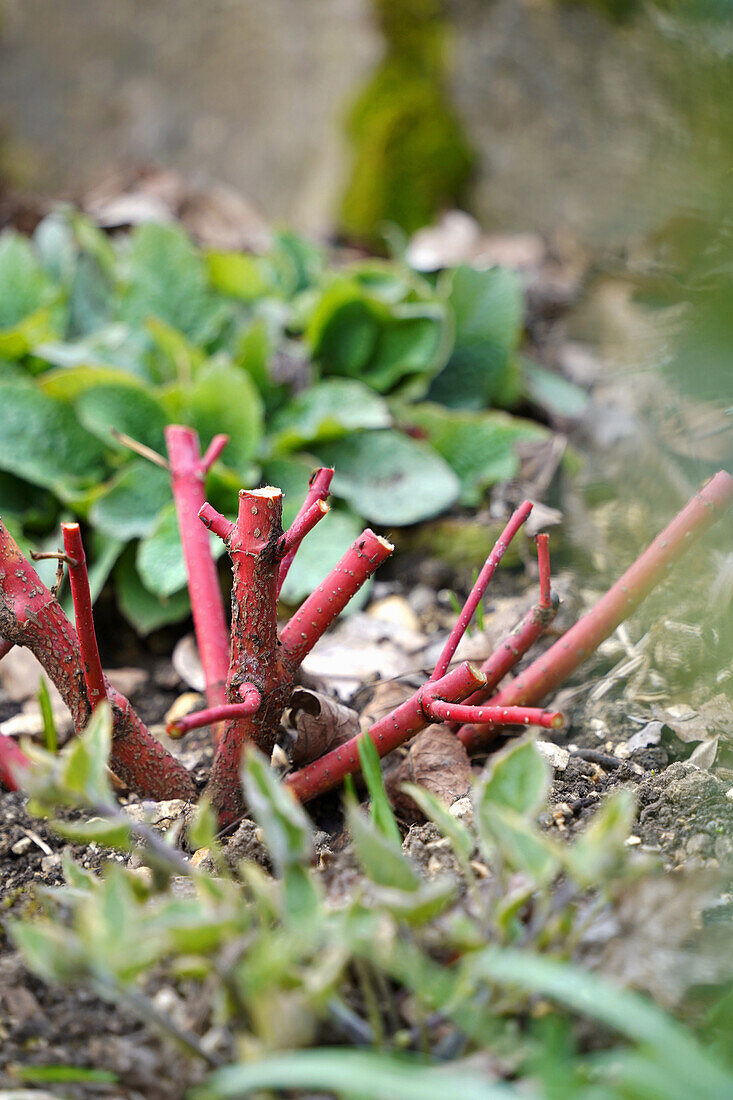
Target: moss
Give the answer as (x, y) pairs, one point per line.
(411, 156)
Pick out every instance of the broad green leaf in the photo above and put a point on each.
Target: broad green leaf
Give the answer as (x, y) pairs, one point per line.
(35, 329)
(223, 398)
(126, 407)
(24, 286)
(516, 779)
(238, 274)
(42, 441)
(380, 809)
(91, 299)
(166, 278)
(479, 446)
(354, 1074)
(353, 333)
(130, 507)
(390, 478)
(488, 308)
(317, 555)
(327, 411)
(182, 357)
(69, 383)
(159, 558)
(142, 608)
(297, 263)
(381, 859)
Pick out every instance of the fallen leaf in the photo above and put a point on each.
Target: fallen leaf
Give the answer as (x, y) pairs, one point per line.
(437, 761)
(318, 724)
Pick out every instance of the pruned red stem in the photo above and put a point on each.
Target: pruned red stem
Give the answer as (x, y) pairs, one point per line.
(535, 623)
(439, 711)
(31, 616)
(318, 489)
(188, 474)
(326, 603)
(252, 543)
(302, 525)
(387, 734)
(482, 581)
(251, 701)
(83, 614)
(12, 760)
(568, 652)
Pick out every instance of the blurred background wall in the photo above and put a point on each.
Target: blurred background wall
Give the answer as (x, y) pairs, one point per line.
(573, 110)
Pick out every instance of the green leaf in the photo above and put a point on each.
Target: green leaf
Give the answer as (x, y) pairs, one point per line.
(522, 845)
(518, 779)
(381, 811)
(488, 308)
(201, 833)
(390, 478)
(327, 411)
(64, 1075)
(142, 608)
(480, 447)
(319, 553)
(68, 383)
(600, 851)
(223, 398)
(416, 907)
(381, 859)
(167, 278)
(24, 286)
(50, 734)
(283, 820)
(110, 834)
(56, 247)
(130, 507)
(159, 559)
(552, 392)
(237, 274)
(352, 1073)
(632, 1015)
(353, 333)
(42, 441)
(128, 408)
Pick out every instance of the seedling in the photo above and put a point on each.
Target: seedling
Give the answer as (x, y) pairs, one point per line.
(248, 691)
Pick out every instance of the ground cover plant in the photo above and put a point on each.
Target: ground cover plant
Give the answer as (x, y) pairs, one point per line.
(299, 359)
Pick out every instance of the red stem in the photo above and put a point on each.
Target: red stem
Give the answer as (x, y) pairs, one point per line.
(302, 525)
(5, 647)
(535, 623)
(518, 518)
(31, 616)
(188, 473)
(440, 711)
(251, 702)
(83, 614)
(387, 734)
(552, 669)
(11, 760)
(318, 489)
(252, 543)
(324, 605)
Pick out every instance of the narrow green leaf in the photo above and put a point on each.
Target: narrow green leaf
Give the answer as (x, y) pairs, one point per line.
(50, 733)
(381, 811)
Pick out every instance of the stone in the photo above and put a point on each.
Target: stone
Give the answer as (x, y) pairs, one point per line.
(556, 756)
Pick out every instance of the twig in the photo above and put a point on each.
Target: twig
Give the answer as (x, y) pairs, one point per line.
(318, 489)
(83, 614)
(139, 448)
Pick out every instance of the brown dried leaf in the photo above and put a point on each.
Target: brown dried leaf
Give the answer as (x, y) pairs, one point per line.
(387, 695)
(437, 761)
(317, 725)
